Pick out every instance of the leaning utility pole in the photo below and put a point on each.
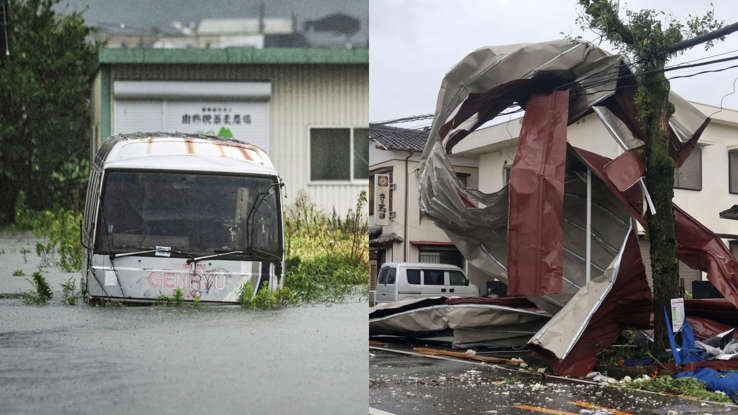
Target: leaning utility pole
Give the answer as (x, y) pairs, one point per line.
(643, 38)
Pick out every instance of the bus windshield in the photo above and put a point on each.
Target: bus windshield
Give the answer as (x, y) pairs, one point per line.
(196, 213)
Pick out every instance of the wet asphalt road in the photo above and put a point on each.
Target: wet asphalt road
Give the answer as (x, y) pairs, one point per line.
(402, 384)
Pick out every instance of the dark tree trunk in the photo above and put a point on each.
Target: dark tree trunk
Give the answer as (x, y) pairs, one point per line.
(654, 111)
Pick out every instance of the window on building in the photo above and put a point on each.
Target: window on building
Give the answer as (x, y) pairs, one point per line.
(433, 277)
(413, 276)
(338, 154)
(733, 170)
(689, 175)
(463, 178)
(441, 255)
(361, 153)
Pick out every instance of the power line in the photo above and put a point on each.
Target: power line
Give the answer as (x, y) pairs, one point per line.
(604, 79)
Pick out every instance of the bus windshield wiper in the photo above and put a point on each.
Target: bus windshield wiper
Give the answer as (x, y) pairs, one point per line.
(216, 255)
(132, 253)
(168, 251)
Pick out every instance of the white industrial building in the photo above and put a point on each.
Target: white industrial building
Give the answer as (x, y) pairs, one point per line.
(308, 108)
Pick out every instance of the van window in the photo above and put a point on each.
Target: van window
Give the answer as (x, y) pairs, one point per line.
(384, 273)
(433, 277)
(413, 276)
(457, 278)
(390, 276)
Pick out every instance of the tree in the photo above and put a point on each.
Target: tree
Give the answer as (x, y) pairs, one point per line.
(45, 94)
(650, 43)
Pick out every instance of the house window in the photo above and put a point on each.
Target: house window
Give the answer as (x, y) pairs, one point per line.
(733, 170)
(338, 154)
(689, 175)
(463, 178)
(441, 255)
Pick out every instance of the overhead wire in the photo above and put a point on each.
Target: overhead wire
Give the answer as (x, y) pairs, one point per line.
(606, 78)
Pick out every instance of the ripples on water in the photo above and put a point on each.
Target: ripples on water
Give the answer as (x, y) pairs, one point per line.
(209, 360)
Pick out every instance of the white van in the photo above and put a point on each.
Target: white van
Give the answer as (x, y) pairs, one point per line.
(400, 281)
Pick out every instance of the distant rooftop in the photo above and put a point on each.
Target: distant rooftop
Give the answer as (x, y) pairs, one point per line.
(281, 23)
(399, 139)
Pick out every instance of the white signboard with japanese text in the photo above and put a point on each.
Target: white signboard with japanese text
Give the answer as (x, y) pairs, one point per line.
(381, 199)
(237, 110)
(245, 121)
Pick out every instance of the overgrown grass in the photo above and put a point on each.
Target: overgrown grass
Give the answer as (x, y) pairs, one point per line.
(327, 257)
(69, 290)
(264, 299)
(58, 231)
(41, 292)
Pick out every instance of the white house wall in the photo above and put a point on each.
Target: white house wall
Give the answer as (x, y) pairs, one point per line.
(719, 137)
(418, 229)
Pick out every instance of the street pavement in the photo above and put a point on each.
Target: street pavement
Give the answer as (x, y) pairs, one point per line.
(407, 384)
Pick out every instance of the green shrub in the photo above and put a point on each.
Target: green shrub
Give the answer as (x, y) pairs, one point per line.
(41, 293)
(178, 297)
(68, 289)
(59, 233)
(326, 278)
(327, 257)
(246, 294)
(264, 299)
(19, 273)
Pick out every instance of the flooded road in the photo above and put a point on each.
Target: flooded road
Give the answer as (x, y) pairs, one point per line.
(62, 359)
(206, 360)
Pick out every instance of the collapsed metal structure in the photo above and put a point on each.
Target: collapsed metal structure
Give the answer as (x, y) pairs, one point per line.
(563, 231)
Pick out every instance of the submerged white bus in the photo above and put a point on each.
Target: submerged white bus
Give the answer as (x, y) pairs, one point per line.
(181, 214)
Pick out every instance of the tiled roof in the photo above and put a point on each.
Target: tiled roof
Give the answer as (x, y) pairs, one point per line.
(394, 138)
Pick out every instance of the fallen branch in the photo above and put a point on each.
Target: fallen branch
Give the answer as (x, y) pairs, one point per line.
(487, 359)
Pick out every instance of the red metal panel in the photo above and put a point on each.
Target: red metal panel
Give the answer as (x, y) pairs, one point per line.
(535, 237)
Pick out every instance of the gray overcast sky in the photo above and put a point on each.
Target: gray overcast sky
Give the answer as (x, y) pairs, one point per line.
(413, 43)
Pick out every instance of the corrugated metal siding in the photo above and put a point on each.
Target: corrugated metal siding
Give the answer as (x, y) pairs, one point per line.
(302, 96)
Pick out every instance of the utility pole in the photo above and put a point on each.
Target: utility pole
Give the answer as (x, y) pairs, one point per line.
(652, 42)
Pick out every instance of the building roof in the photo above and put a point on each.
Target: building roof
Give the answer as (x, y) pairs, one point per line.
(146, 16)
(235, 55)
(400, 139)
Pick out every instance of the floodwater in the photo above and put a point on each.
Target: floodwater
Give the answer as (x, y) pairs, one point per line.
(210, 359)
(62, 359)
